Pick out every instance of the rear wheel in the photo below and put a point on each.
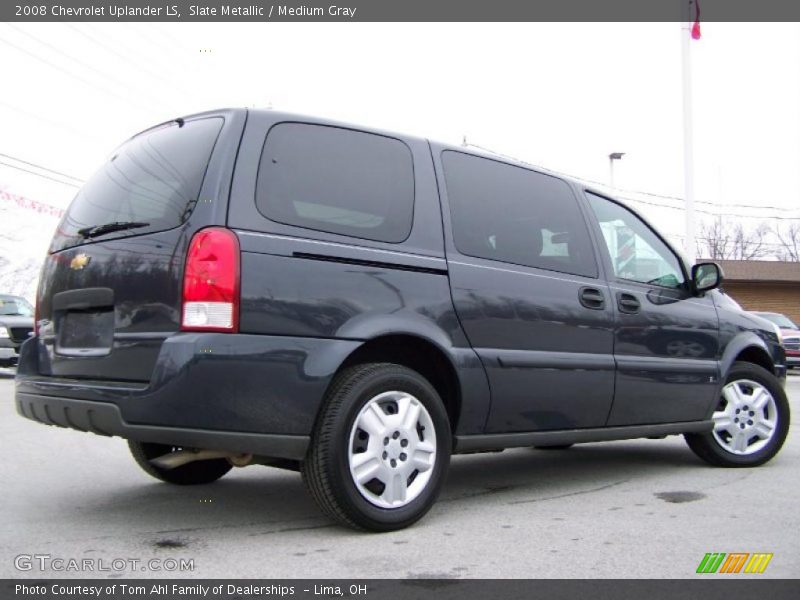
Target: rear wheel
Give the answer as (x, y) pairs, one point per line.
(380, 449)
(751, 420)
(193, 473)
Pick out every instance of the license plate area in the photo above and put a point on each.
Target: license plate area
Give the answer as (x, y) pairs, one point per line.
(84, 321)
(86, 333)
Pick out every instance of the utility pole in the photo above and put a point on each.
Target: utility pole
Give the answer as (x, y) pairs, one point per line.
(690, 245)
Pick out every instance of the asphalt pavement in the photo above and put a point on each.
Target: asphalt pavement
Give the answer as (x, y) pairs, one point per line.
(645, 508)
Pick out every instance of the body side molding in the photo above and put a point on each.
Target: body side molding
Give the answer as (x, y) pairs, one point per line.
(477, 443)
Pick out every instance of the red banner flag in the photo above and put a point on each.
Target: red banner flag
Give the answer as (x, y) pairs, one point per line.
(696, 27)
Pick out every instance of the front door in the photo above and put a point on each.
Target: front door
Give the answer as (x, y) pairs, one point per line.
(666, 341)
(526, 288)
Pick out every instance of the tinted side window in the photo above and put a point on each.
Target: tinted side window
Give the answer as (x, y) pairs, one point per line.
(153, 178)
(337, 180)
(511, 214)
(636, 252)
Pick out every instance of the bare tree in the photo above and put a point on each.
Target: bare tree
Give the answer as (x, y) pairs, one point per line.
(749, 245)
(715, 239)
(789, 238)
(724, 241)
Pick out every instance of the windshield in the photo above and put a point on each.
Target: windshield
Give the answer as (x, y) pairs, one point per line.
(152, 181)
(13, 306)
(781, 321)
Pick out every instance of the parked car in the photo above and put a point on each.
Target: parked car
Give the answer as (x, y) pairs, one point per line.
(790, 333)
(358, 305)
(16, 324)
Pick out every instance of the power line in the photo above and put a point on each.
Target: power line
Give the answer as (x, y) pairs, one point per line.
(75, 185)
(111, 78)
(25, 162)
(621, 194)
(73, 75)
(172, 83)
(146, 33)
(678, 199)
(37, 117)
(782, 208)
(656, 204)
(664, 196)
(709, 212)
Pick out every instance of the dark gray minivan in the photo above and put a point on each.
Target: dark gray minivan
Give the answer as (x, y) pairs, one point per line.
(249, 287)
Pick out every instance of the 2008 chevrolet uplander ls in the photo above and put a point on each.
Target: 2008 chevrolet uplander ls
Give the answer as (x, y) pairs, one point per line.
(243, 287)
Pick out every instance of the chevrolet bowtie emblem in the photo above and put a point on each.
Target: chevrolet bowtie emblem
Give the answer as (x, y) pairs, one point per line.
(80, 261)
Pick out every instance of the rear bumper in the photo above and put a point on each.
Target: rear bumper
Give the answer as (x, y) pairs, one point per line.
(245, 393)
(106, 419)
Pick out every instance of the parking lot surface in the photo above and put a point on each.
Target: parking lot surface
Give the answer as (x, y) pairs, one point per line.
(645, 508)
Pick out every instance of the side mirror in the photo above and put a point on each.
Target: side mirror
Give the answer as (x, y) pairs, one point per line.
(705, 277)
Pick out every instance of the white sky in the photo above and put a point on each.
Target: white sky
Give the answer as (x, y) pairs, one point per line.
(557, 95)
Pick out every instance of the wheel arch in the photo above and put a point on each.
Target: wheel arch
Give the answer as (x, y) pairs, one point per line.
(746, 347)
(423, 355)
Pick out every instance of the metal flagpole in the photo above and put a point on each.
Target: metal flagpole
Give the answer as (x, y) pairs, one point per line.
(690, 245)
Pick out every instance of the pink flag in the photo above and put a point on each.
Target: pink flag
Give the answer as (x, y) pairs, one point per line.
(696, 27)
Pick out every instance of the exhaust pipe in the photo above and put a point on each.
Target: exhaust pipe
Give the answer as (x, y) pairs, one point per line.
(173, 460)
(240, 460)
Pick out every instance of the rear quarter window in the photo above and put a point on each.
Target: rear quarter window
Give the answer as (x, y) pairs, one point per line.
(153, 178)
(338, 181)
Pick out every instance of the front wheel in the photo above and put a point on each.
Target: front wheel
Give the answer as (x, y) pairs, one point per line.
(751, 420)
(380, 449)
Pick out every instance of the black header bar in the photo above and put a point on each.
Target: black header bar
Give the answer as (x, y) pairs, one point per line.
(399, 10)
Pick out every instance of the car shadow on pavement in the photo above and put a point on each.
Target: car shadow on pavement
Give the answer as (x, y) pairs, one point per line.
(531, 475)
(253, 501)
(260, 501)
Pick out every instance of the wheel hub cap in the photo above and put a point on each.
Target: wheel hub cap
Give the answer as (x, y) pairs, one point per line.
(746, 418)
(392, 449)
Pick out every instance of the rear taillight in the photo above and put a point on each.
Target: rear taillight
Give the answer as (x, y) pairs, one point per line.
(211, 282)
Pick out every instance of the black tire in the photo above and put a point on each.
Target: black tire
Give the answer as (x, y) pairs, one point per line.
(193, 473)
(326, 470)
(559, 447)
(706, 446)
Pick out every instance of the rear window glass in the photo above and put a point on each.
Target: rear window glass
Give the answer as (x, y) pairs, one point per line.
(154, 178)
(337, 180)
(511, 214)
